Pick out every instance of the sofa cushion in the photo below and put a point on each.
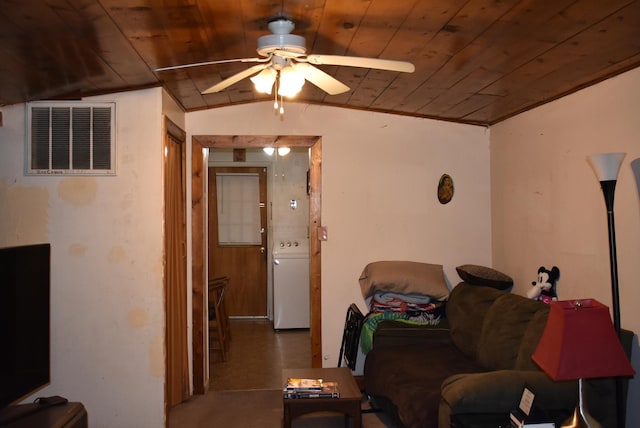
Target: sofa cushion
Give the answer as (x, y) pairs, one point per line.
(531, 338)
(411, 377)
(466, 310)
(483, 275)
(503, 330)
(499, 392)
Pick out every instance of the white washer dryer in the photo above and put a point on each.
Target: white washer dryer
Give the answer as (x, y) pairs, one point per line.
(291, 284)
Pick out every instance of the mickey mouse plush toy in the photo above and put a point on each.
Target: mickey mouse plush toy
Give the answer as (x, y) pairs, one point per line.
(544, 289)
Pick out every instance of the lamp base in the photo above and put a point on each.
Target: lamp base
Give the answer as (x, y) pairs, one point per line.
(579, 420)
(581, 417)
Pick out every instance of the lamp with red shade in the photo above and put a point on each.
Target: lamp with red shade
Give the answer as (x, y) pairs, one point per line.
(580, 342)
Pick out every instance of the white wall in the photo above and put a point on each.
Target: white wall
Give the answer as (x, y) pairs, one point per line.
(290, 183)
(106, 234)
(547, 205)
(172, 110)
(379, 178)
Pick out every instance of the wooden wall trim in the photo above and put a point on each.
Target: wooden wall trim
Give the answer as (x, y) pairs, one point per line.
(198, 274)
(315, 255)
(249, 141)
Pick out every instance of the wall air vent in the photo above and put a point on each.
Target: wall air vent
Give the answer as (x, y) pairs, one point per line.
(70, 138)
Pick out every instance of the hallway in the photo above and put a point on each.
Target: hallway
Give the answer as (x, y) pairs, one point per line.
(257, 356)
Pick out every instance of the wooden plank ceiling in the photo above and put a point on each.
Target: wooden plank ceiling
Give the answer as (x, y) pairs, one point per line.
(477, 61)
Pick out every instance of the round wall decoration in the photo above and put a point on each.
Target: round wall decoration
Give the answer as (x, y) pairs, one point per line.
(445, 189)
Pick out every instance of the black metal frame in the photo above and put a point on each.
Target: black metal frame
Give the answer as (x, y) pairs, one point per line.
(351, 337)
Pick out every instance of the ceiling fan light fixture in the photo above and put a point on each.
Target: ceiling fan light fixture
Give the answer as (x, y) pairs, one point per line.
(290, 82)
(264, 80)
(283, 151)
(268, 150)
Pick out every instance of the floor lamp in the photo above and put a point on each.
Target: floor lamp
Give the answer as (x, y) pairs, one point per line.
(606, 167)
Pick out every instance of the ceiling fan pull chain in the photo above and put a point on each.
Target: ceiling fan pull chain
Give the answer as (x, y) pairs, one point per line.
(275, 95)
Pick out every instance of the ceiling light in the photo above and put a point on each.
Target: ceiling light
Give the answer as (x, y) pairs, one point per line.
(264, 80)
(268, 150)
(283, 151)
(290, 81)
(287, 79)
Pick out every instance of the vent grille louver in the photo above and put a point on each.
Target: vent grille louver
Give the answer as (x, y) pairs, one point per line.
(71, 138)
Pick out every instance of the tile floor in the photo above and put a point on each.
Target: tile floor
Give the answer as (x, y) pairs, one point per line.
(257, 356)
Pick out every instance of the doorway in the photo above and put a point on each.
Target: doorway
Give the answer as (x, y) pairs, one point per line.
(199, 154)
(237, 238)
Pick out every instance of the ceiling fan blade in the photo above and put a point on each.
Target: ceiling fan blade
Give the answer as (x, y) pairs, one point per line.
(322, 80)
(354, 61)
(235, 78)
(220, 61)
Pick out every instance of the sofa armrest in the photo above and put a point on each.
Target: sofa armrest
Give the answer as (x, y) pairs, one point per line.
(500, 391)
(396, 333)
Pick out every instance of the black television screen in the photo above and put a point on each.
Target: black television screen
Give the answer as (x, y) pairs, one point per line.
(24, 320)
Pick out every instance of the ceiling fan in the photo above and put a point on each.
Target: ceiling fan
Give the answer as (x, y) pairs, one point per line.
(283, 61)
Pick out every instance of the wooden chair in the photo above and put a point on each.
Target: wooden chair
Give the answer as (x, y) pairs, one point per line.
(219, 329)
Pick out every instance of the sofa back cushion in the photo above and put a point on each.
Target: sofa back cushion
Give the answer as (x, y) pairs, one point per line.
(466, 310)
(531, 339)
(503, 330)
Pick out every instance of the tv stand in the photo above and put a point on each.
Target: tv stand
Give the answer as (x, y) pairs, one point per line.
(68, 415)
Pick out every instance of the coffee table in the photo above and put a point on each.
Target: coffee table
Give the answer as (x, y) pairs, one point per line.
(349, 402)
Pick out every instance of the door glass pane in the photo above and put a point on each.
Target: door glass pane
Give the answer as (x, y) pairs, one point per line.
(238, 209)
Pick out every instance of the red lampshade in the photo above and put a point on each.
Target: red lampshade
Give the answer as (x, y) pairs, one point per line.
(579, 342)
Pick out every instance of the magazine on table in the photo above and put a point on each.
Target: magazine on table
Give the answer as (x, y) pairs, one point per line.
(310, 388)
(298, 384)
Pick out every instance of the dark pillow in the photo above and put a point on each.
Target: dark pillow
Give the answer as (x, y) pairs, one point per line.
(482, 275)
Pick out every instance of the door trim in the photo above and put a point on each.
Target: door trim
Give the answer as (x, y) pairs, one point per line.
(199, 165)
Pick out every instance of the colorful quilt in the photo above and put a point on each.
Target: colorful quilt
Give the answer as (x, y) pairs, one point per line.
(410, 309)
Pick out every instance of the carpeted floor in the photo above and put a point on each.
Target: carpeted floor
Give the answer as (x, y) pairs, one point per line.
(255, 409)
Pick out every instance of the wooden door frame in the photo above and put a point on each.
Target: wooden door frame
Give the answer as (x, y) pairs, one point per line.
(170, 130)
(198, 215)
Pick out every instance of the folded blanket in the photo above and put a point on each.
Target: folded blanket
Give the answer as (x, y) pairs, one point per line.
(382, 302)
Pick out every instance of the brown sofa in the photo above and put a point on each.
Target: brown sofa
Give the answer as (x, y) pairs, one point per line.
(477, 362)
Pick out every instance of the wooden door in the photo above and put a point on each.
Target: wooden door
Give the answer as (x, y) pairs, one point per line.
(245, 265)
